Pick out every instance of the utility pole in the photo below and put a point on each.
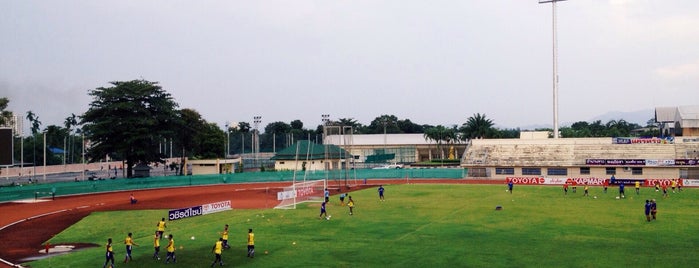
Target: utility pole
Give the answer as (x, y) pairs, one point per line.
(256, 136)
(555, 66)
(325, 118)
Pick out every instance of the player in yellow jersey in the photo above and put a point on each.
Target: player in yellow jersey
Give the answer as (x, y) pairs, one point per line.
(109, 255)
(638, 187)
(170, 250)
(156, 245)
(128, 241)
(224, 236)
(161, 227)
(251, 244)
(217, 249)
(350, 205)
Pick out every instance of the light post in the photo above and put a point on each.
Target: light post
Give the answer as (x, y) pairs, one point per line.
(82, 133)
(256, 136)
(325, 118)
(44, 155)
(384, 121)
(228, 140)
(555, 66)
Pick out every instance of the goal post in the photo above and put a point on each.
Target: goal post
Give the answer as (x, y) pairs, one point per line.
(301, 192)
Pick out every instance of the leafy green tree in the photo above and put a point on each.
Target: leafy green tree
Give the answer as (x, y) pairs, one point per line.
(441, 134)
(477, 127)
(351, 122)
(296, 124)
(384, 124)
(277, 127)
(5, 116)
(70, 122)
(407, 126)
(34, 121)
(210, 140)
(512, 133)
(129, 119)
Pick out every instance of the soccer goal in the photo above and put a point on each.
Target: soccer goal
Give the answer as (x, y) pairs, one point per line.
(300, 192)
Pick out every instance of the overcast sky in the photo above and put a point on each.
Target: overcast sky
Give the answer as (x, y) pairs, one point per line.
(434, 62)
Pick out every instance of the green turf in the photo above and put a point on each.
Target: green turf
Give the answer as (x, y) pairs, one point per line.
(420, 226)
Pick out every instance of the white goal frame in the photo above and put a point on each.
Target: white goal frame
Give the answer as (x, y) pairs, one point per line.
(301, 192)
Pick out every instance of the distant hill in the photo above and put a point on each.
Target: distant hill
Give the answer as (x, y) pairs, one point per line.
(639, 117)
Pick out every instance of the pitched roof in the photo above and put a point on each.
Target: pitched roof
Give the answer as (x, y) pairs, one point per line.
(688, 116)
(665, 114)
(305, 149)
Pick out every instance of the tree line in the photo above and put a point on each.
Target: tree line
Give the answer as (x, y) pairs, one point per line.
(137, 121)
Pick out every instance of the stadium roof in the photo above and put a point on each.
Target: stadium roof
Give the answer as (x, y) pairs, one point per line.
(688, 116)
(665, 114)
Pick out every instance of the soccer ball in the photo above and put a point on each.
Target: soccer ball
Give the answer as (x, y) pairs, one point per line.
(617, 197)
(595, 197)
(192, 237)
(266, 252)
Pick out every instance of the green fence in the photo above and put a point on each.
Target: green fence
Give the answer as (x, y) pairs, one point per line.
(30, 191)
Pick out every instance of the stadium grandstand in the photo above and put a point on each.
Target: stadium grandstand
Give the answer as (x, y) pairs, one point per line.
(669, 157)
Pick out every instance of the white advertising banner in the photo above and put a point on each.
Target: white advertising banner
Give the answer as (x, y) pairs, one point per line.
(216, 207)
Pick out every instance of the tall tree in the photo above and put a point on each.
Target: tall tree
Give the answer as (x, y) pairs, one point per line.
(384, 124)
(5, 116)
(129, 119)
(440, 134)
(69, 123)
(407, 126)
(34, 121)
(477, 127)
(296, 124)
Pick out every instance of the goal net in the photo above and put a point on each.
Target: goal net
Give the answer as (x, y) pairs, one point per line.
(307, 191)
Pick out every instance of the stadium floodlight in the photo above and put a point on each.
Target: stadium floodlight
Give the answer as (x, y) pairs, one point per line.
(256, 137)
(555, 66)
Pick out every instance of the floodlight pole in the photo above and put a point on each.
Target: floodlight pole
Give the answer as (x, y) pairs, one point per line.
(256, 145)
(44, 155)
(228, 140)
(555, 66)
(325, 118)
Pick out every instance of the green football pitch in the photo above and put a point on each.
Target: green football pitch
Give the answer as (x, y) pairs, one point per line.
(417, 226)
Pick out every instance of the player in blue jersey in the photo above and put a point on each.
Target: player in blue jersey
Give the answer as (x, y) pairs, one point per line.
(510, 184)
(381, 190)
(621, 190)
(323, 212)
(647, 209)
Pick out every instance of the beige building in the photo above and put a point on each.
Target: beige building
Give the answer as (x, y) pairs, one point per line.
(636, 158)
(212, 166)
(678, 121)
(394, 148)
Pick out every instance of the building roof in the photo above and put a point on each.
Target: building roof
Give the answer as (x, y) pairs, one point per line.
(665, 114)
(688, 116)
(379, 139)
(307, 150)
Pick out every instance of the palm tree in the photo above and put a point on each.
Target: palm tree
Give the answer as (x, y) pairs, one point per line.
(477, 127)
(69, 123)
(440, 134)
(34, 119)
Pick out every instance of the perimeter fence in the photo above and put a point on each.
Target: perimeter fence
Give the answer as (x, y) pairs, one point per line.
(13, 192)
